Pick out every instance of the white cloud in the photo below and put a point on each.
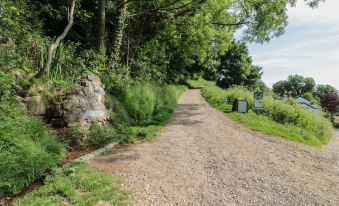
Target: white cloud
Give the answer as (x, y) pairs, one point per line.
(326, 13)
(310, 46)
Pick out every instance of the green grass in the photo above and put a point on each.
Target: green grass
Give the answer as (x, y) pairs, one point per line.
(281, 118)
(199, 83)
(264, 124)
(27, 151)
(142, 110)
(78, 185)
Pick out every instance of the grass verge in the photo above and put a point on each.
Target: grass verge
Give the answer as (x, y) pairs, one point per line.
(77, 185)
(266, 125)
(280, 118)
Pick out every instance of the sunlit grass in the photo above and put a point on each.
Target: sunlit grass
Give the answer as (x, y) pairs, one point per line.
(77, 185)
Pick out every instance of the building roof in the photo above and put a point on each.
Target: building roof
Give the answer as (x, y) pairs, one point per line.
(306, 102)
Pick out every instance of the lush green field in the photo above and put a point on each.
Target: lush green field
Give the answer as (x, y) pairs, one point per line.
(77, 185)
(281, 118)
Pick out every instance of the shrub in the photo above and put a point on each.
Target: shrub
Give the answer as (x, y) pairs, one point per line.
(100, 136)
(26, 149)
(217, 96)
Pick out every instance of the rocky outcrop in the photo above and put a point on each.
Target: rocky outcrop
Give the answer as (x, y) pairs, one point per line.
(83, 106)
(37, 105)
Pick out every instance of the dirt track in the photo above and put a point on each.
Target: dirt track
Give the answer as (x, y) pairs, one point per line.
(203, 158)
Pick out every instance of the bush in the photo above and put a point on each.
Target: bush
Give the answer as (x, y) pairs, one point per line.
(217, 96)
(26, 149)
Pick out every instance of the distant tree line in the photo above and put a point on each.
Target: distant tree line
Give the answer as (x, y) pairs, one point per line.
(297, 85)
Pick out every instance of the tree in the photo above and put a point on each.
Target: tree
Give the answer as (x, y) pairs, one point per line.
(295, 85)
(100, 44)
(322, 89)
(236, 68)
(330, 102)
(56, 43)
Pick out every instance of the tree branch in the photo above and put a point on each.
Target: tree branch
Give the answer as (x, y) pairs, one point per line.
(70, 16)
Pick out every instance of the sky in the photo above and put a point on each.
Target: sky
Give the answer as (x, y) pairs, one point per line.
(309, 47)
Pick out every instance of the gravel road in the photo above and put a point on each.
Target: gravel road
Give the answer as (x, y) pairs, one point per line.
(203, 158)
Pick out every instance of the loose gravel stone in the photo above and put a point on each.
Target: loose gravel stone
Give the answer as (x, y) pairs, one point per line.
(203, 158)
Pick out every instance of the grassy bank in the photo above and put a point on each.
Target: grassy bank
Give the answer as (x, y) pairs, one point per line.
(284, 118)
(78, 185)
(142, 110)
(27, 151)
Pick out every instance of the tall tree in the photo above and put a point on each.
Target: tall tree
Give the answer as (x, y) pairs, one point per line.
(236, 68)
(100, 44)
(118, 37)
(330, 101)
(295, 85)
(322, 89)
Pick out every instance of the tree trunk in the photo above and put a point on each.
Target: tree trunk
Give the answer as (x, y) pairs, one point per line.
(118, 36)
(42, 71)
(100, 44)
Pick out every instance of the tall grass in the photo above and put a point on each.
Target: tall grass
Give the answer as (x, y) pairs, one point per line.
(296, 123)
(142, 109)
(150, 102)
(26, 149)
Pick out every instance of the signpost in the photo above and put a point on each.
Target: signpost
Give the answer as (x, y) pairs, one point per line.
(258, 97)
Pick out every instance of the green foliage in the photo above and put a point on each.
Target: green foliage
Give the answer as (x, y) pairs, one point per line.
(138, 117)
(236, 68)
(100, 136)
(217, 96)
(322, 89)
(149, 102)
(295, 85)
(7, 84)
(117, 81)
(287, 131)
(77, 185)
(119, 117)
(336, 122)
(316, 129)
(26, 149)
(311, 97)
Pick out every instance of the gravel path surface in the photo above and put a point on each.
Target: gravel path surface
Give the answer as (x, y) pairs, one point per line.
(203, 158)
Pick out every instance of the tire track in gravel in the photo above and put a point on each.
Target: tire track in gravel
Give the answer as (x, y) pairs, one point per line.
(203, 158)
